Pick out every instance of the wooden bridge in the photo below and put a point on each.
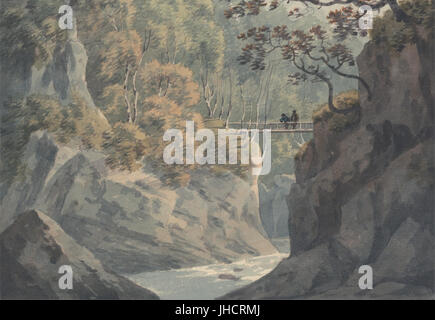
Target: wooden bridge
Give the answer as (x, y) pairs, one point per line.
(275, 127)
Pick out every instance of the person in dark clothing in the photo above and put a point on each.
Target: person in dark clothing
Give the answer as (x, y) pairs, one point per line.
(284, 119)
(294, 119)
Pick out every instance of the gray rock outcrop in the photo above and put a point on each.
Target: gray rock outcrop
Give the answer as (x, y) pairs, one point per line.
(133, 222)
(274, 211)
(62, 76)
(364, 196)
(33, 249)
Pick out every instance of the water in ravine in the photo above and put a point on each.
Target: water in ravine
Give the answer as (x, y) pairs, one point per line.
(210, 281)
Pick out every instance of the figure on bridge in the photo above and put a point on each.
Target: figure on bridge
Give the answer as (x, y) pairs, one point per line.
(294, 119)
(284, 119)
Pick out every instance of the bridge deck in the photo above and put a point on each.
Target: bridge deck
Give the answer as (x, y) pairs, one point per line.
(275, 127)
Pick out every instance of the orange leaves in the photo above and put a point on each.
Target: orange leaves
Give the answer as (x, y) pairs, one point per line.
(241, 36)
(171, 80)
(274, 4)
(263, 29)
(296, 13)
(120, 48)
(281, 32)
(161, 107)
(254, 6)
(125, 144)
(251, 32)
(169, 92)
(318, 32)
(341, 53)
(302, 41)
(345, 21)
(229, 13)
(250, 7)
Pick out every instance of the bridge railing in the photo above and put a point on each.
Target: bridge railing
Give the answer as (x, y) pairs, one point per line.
(308, 126)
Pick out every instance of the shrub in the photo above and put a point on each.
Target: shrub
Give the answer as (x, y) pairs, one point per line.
(340, 122)
(21, 117)
(29, 29)
(396, 35)
(125, 145)
(80, 121)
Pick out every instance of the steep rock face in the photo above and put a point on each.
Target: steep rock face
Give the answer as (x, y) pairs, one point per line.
(273, 205)
(33, 249)
(39, 156)
(61, 77)
(365, 196)
(131, 222)
(134, 222)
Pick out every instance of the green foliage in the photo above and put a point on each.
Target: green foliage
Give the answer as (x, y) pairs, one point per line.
(125, 145)
(181, 33)
(396, 35)
(20, 118)
(340, 122)
(189, 39)
(35, 32)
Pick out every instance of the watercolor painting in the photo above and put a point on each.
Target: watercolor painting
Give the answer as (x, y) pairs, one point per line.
(214, 149)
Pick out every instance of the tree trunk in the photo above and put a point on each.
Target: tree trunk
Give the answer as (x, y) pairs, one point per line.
(243, 106)
(127, 100)
(328, 82)
(146, 44)
(135, 92)
(230, 104)
(219, 90)
(266, 99)
(260, 93)
(331, 105)
(250, 115)
(221, 113)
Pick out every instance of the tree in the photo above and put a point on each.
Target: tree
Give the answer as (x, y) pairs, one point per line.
(308, 52)
(122, 56)
(310, 55)
(129, 51)
(116, 49)
(174, 81)
(242, 100)
(253, 7)
(125, 145)
(230, 101)
(127, 34)
(169, 92)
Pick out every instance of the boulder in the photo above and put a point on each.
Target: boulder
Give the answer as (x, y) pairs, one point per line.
(34, 248)
(133, 222)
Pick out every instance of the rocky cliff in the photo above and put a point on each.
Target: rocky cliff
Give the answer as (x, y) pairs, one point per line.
(273, 205)
(134, 222)
(33, 249)
(131, 222)
(364, 195)
(61, 76)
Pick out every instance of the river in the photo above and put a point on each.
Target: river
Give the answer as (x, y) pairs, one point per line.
(210, 281)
